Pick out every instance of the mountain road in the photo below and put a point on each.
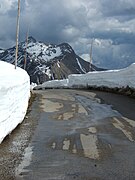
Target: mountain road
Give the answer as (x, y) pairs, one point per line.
(73, 134)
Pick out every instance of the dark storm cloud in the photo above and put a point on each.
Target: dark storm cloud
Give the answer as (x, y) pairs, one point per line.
(72, 21)
(59, 20)
(118, 7)
(54, 21)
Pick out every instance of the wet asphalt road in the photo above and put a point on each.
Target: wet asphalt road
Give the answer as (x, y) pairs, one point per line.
(79, 135)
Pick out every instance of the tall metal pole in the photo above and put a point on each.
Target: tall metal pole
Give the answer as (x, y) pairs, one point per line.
(90, 65)
(25, 58)
(17, 34)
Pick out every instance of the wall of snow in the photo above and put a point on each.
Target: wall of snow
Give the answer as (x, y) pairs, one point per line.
(112, 78)
(14, 96)
(53, 84)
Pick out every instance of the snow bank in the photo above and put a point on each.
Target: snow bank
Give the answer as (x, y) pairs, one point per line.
(54, 84)
(14, 96)
(112, 78)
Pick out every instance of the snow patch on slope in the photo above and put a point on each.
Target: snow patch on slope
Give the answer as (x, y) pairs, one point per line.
(36, 48)
(80, 65)
(1, 51)
(14, 93)
(43, 51)
(50, 54)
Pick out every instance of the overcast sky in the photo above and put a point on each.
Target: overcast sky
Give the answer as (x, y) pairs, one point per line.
(111, 23)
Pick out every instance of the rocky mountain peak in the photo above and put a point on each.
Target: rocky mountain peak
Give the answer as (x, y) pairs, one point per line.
(46, 62)
(31, 39)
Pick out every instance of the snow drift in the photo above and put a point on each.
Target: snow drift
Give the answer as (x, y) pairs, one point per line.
(14, 96)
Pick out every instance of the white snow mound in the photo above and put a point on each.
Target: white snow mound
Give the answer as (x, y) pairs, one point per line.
(14, 96)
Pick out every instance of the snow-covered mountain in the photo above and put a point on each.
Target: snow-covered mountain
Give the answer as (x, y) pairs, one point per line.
(47, 61)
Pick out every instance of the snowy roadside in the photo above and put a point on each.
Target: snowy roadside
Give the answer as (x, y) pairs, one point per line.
(14, 97)
(123, 79)
(111, 79)
(53, 84)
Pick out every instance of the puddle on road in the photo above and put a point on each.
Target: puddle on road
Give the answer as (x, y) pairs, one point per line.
(96, 110)
(80, 144)
(119, 125)
(50, 106)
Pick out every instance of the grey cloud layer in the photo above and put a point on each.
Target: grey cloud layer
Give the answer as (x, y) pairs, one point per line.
(72, 21)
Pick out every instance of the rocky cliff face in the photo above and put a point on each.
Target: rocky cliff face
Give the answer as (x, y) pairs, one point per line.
(47, 61)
